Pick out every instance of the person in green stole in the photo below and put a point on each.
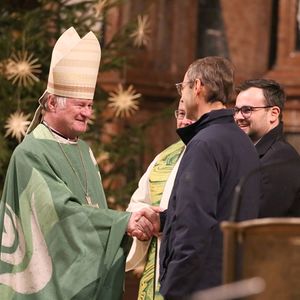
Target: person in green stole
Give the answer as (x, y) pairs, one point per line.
(58, 239)
(154, 189)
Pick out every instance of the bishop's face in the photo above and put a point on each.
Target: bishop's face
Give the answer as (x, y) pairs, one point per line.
(72, 119)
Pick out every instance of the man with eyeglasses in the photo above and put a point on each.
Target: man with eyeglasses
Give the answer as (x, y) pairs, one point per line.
(212, 165)
(258, 112)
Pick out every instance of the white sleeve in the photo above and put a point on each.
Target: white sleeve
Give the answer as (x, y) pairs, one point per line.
(139, 199)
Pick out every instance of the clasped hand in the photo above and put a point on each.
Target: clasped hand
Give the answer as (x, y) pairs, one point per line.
(145, 223)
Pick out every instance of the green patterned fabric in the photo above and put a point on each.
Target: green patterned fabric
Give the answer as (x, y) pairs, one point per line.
(52, 244)
(158, 178)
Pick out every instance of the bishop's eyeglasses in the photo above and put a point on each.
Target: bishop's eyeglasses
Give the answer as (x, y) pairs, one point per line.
(247, 110)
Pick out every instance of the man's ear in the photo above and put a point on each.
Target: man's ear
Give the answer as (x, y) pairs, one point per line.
(275, 112)
(198, 86)
(51, 102)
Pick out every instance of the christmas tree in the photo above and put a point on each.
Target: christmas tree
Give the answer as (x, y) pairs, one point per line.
(28, 32)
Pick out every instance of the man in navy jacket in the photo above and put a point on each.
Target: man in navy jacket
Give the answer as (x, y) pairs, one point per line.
(217, 156)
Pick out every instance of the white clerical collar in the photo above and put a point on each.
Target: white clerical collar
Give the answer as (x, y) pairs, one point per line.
(59, 136)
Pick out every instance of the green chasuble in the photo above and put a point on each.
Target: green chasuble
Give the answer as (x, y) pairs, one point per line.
(158, 177)
(53, 245)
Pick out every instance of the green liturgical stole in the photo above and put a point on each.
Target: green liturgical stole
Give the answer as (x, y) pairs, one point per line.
(148, 290)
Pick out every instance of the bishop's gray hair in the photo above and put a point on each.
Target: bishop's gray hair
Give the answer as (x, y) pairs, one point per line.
(61, 101)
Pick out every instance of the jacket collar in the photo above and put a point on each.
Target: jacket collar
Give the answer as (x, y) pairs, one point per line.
(265, 143)
(212, 117)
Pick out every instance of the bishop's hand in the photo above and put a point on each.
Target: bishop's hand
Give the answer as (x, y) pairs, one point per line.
(144, 223)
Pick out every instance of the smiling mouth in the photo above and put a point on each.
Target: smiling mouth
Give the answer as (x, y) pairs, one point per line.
(82, 121)
(241, 125)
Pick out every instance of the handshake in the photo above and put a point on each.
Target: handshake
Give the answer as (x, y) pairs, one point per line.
(145, 223)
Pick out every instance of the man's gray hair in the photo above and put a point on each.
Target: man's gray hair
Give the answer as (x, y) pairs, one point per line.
(61, 101)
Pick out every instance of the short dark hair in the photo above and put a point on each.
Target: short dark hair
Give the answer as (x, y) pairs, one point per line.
(216, 74)
(272, 91)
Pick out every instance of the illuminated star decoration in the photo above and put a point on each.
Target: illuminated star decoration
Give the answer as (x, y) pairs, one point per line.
(16, 125)
(124, 101)
(141, 34)
(22, 68)
(99, 7)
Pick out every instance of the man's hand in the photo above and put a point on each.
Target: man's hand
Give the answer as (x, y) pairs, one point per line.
(144, 223)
